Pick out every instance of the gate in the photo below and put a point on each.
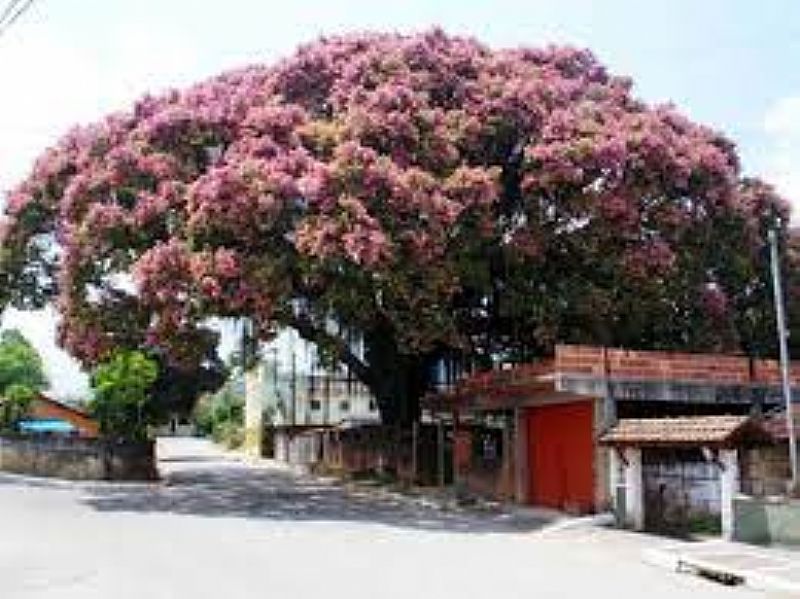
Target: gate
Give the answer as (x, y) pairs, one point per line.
(682, 491)
(561, 456)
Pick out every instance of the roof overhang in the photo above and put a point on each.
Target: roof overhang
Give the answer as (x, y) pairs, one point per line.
(688, 432)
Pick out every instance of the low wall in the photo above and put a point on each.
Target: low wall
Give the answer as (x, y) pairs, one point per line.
(366, 449)
(767, 520)
(78, 459)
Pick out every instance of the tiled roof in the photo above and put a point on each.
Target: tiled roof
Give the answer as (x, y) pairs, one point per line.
(684, 431)
(63, 406)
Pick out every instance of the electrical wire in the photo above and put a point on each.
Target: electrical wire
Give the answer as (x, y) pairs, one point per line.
(10, 20)
(8, 10)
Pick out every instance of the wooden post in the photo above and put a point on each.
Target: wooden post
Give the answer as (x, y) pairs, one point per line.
(440, 450)
(455, 449)
(414, 450)
(506, 451)
(520, 456)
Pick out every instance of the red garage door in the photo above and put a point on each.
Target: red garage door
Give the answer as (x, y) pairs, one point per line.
(561, 456)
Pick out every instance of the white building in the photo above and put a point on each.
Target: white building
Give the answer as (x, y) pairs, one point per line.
(289, 391)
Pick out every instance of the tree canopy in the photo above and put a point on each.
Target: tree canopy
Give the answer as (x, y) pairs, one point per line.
(425, 194)
(21, 376)
(122, 391)
(20, 363)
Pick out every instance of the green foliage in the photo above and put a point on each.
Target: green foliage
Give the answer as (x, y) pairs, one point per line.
(14, 406)
(20, 363)
(221, 416)
(704, 524)
(229, 433)
(122, 390)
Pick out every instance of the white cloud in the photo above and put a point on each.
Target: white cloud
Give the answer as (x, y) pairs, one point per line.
(782, 126)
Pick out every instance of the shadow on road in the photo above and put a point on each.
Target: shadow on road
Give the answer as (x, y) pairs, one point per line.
(217, 487)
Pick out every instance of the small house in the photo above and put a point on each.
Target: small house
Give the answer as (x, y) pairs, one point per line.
(668, 474)
(48, 416)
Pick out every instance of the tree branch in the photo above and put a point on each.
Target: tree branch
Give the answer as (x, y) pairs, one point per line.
(310, 331)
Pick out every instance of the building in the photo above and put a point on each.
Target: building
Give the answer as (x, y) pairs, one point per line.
(516, 437)
(289, 393)
(530, 433)
(49, 416)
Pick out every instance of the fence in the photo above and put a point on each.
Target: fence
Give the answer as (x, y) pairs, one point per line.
(372, 449)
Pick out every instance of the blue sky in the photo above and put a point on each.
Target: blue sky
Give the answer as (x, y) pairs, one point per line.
(731, 64)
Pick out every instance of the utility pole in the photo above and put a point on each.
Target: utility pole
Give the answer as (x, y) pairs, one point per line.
(780, 318)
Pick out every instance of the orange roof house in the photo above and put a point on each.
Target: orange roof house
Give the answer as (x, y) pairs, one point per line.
(45, 408)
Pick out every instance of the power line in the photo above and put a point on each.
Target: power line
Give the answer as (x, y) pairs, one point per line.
(8, 10)
(8, 22)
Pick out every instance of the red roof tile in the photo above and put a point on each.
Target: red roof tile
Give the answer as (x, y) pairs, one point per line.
(684, 431)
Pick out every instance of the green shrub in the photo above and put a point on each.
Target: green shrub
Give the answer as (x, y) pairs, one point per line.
(14, 406)
(221, 416)
(121, 392)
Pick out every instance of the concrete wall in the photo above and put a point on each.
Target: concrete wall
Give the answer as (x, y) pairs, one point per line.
(767, 520)
(77, 459)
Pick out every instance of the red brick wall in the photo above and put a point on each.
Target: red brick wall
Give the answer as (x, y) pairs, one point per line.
(661, 365)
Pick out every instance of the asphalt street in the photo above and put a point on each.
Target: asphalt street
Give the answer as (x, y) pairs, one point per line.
(217, 527)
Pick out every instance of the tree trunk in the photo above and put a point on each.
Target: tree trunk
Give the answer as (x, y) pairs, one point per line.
(397, 380)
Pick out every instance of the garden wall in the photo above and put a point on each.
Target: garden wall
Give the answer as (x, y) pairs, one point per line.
(78, 459)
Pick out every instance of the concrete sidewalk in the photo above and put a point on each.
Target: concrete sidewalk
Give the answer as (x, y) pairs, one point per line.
(765, 569)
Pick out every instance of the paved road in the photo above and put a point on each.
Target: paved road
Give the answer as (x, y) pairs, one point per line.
(218, 528)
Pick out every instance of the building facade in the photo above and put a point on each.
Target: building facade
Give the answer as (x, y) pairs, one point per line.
(530, 433)
(289, 392)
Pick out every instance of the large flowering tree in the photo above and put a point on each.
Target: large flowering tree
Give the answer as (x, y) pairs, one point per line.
(426, 193)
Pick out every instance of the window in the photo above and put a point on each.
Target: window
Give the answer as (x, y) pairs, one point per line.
(344, 406)
(315, 405)
(372, 405)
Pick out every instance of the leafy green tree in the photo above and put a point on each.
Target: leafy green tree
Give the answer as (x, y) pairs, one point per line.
(221, 415)
(20, 363)
(14, 405)
(122, 390)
